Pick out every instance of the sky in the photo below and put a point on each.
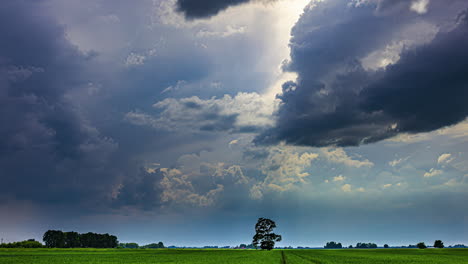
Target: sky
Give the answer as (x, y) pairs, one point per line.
(184, 121)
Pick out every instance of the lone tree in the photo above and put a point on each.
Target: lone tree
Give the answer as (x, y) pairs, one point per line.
(438, 244)
(385, 246)
(264, 234)
(421, 245)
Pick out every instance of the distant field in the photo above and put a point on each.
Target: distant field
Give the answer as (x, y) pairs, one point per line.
(198, 256)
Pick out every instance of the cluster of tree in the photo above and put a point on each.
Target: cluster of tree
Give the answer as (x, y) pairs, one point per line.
(135, 245)
(437, 244)
(333, 244)
(30, 243)
(366, 245)
(59, 239)
(264, 234)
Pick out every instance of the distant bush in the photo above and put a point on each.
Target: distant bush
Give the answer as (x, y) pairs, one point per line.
(245, 246)
(128, 245)
(458, 246)
(385, 246)
(31, 243)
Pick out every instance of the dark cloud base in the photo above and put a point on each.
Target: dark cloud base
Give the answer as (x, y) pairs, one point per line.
(194, 9)
(426, 89)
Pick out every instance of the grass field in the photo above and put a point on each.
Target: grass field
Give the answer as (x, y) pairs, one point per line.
(198, 256)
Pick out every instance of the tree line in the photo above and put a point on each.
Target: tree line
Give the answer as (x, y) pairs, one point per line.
(420, 245)
(60, 239)
(135, 245)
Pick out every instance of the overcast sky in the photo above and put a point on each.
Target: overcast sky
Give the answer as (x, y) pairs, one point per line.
(184, 121)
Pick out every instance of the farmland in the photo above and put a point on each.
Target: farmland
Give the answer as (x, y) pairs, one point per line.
(199, 256)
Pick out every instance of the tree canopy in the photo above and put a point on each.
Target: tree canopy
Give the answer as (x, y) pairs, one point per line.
(438, 244)
(264, 234)
(421, 245)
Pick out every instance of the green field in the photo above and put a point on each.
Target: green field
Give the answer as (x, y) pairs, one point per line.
(198, 256)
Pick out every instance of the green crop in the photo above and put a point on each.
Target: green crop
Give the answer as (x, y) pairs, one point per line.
(215, 256)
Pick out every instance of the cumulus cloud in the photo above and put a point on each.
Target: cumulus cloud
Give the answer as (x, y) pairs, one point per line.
(346, 188)
(284, 168)
(445, 158)
(338, 155)
(177, 188)
(245, 112)
(338, 100)
(419, 6)
(339, 178)
(192, 183)
(397, 162)
(432, 173)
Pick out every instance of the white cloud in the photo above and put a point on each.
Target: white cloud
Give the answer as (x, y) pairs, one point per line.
(233, 142)
(458, 131)
(339, 178)
(432, 172)
(451, 183)
(228, 31)
(445, 158)
(284, 168)
(419, 6)
(388, 185)
(396, 162)
(179, 85)
(134, 59)
(338, 155)
(346, 188)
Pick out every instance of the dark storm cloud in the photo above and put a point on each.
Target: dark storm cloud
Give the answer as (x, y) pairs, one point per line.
(142, 191)
(48, 151)
(205, 8)
(338, 101)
